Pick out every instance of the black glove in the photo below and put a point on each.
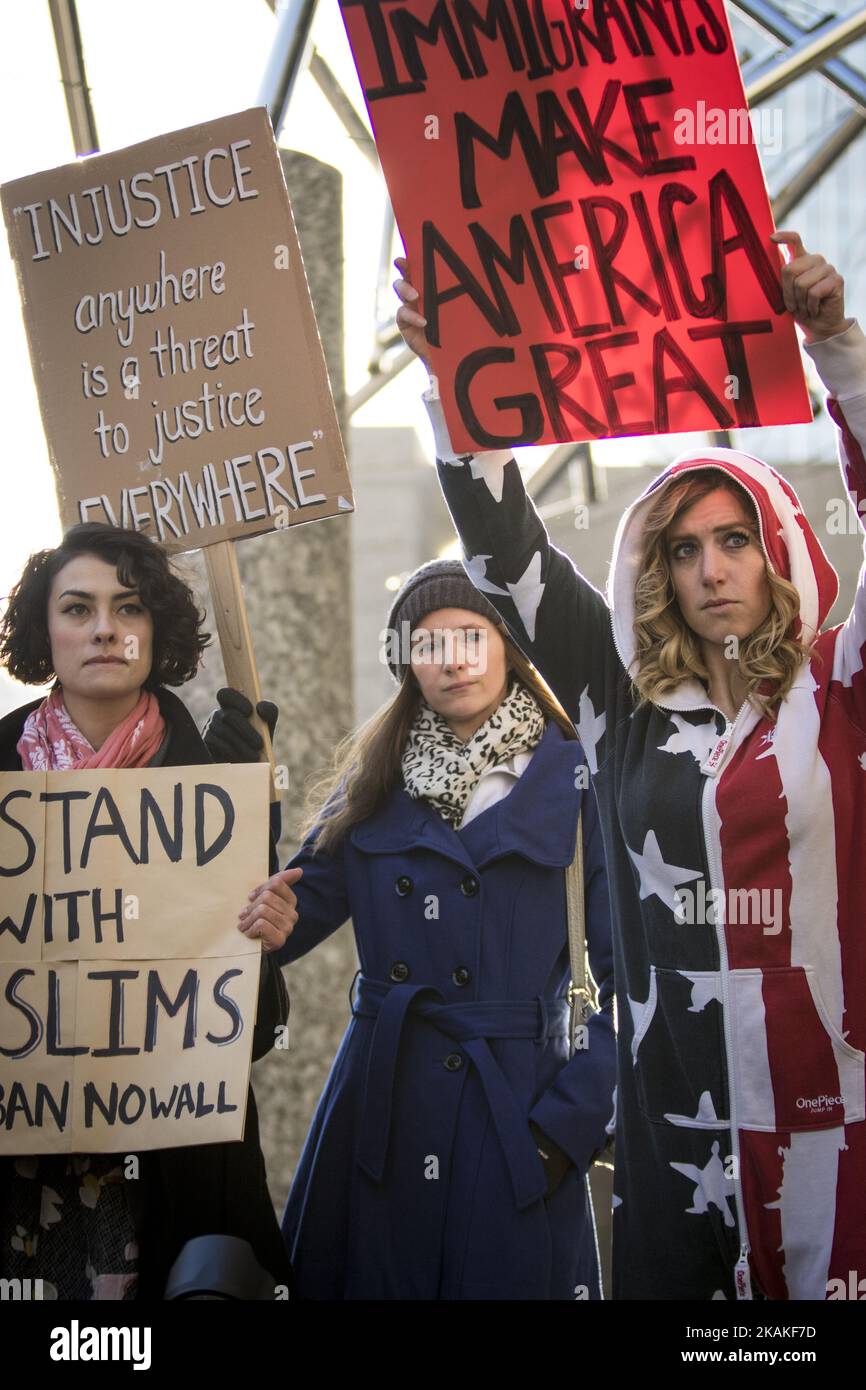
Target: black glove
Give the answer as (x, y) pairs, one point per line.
(556, 1161)
(228, 734)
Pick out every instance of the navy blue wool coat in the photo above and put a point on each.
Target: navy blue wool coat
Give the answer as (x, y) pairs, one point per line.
(419, 1177)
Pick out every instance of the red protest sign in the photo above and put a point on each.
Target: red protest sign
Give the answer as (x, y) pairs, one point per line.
(585, 216)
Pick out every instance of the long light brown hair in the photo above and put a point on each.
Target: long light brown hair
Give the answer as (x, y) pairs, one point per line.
(668, 651)
(368, 763)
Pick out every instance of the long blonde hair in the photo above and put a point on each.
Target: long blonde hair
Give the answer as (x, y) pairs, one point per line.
(668, 651)
(368, 763)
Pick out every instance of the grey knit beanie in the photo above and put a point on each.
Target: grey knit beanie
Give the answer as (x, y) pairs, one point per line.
(438, 584)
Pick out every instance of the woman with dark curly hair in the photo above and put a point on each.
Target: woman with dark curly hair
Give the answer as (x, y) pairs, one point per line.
(104, 615)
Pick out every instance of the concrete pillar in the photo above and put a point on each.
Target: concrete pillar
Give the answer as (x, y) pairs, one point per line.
(297, 585)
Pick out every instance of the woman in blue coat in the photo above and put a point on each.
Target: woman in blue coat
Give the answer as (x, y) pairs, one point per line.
(448, 1155)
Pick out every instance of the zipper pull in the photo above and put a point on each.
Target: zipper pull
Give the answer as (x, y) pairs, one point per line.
(742, 1277)
(714, 759)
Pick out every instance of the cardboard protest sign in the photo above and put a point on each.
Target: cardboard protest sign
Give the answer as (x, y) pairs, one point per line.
(127, 995)
(105, 1058)
(129, 861)
(180, 372)
(588, 236)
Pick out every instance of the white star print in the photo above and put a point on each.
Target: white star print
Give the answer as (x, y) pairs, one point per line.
(527, 594)
(712, 1187)
(704, 988)
(862, 761)
(476, 567)
(642, 1014)
(706, 1114)
(696, 739)
(767, 739)
(656, 877)
(490, 467)
(590, 728)
(49, 1212)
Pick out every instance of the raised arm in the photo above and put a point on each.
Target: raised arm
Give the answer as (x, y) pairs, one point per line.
(841, 362)
(815, 293)
(555, 615)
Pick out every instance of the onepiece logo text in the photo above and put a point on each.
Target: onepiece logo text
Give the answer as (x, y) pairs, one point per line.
(819, 1104)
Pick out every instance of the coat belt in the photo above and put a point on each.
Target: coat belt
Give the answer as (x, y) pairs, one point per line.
(471, 1025)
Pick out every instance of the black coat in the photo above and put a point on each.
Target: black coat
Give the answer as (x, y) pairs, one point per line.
(202, 1189)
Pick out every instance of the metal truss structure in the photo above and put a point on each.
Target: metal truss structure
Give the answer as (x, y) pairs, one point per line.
(799, 50)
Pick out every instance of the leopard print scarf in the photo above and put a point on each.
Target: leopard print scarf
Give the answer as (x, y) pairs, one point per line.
(441, 768)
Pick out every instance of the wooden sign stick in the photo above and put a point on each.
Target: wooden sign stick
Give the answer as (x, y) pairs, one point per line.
(233, 629)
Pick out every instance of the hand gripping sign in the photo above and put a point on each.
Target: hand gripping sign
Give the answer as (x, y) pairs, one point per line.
(593, 260)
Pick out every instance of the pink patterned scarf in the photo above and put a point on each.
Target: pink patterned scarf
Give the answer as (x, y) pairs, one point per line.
(50, 742)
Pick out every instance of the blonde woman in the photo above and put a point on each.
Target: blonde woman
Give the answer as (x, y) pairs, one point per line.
(726, 730)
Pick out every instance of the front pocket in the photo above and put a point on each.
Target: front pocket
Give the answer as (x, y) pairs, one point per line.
(793, 1069)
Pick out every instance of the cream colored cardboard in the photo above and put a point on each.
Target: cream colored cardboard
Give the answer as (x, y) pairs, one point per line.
(164, 294)
(133, 1031)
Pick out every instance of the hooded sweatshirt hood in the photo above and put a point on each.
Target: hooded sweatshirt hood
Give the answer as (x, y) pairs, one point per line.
(790, 547)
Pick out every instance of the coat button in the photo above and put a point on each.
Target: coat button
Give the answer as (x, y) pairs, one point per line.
(399, 971)
(461, 975)
(403, 886)
(453, 1062)
(469, 886)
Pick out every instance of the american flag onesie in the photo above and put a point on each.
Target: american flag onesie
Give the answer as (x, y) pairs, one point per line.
(737, 860)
